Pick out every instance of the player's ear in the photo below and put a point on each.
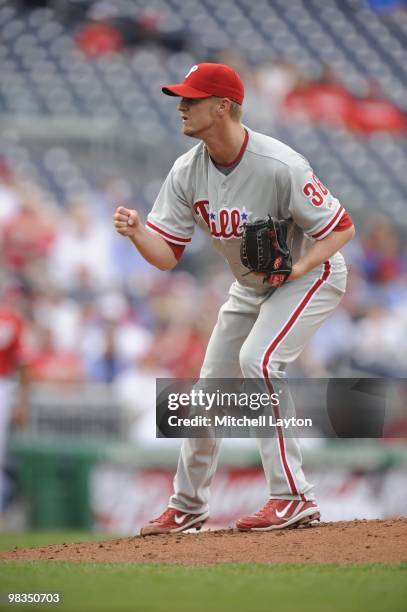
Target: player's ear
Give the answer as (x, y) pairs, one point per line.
(223, 107)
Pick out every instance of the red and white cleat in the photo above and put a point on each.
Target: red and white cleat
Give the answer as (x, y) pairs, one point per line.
(174, 521)
(280, 513)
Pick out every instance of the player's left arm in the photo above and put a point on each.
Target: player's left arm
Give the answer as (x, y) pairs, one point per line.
(321, 251)
(317, 212)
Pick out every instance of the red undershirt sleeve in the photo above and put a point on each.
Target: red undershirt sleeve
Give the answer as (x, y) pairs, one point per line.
(344, 223)
(177, 249)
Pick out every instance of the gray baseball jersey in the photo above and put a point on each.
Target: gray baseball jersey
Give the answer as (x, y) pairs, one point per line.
(271, 178)
(256, 335)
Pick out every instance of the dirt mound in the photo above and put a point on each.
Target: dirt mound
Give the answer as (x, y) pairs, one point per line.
(342, 542)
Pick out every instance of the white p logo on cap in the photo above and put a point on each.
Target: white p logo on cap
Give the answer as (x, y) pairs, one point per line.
(193, 69)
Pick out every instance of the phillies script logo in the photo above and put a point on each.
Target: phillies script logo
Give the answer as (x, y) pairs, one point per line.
(223, 223)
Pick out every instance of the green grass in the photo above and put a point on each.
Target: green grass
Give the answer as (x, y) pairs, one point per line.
(224, 588)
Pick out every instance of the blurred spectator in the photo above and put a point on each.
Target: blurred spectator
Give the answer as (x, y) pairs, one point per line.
(112, 338)
(60, 314)
(110, 31)
(135, 389)
(379, 343)
(99, 38)
(330, 347)
(52, 364)
(14, 381)
(107, 364)
(9, 200)
(81, 252)
(180, 349)
(277, 79)
(324, 100)
(374, 113)
(157, 28)
(383, 260)
(28, 234)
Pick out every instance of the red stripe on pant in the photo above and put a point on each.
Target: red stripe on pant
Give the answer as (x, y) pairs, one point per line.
(280, 336)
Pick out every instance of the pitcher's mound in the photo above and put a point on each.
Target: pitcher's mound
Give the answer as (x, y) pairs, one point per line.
(342, 542)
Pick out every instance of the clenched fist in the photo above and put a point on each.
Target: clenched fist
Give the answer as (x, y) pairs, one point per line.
(151, 246)
(126, 221)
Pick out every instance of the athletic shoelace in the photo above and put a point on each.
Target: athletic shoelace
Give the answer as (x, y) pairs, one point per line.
(164, 516)
(262, 512)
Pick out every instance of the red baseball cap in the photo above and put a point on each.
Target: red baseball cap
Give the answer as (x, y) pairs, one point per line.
(205, 80)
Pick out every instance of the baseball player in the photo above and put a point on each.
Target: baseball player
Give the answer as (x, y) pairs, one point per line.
(232, 176)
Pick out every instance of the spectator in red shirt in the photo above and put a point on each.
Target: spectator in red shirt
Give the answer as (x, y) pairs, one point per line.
(324, 100)
(27, 236)
(375, 114)
(52, 364)
(98, 38)
(13, 373)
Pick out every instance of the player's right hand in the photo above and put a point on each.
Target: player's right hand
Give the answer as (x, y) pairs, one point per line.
(126, 221)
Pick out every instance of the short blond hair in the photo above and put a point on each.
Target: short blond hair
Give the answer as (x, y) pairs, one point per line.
(236, 110)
